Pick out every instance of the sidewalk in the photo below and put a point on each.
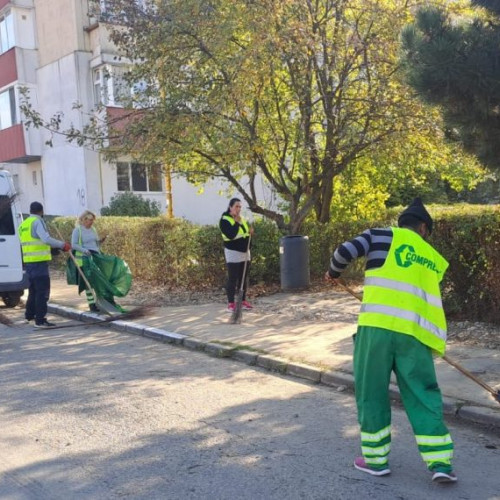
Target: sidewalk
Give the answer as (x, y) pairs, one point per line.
(317, 351)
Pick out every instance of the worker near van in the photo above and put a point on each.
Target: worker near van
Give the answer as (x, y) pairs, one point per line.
(36, 244)
(400, 325)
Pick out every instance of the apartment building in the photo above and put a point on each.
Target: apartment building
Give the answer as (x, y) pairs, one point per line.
(60, 51)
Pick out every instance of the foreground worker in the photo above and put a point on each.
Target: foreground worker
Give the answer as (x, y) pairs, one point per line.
(400, 324)
(36, 246)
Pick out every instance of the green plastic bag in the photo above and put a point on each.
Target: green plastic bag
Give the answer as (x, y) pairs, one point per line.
(71, 272)
(108, 275)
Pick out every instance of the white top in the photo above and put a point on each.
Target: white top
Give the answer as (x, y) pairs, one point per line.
(234, 257)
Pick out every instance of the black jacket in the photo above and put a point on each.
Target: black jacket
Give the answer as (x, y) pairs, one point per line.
(231, 231)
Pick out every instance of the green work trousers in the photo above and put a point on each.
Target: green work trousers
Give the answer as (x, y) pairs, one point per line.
(377, 353)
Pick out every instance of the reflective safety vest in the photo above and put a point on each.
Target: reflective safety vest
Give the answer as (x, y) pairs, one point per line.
(243, 231)
(404, 295)
(34, 249)
(79, 255)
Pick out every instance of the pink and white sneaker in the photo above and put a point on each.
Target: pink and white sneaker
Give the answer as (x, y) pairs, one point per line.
(360, 464)
(231, 307)
(246, 305)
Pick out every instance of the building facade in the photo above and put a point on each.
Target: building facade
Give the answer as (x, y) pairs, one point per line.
(59, 50)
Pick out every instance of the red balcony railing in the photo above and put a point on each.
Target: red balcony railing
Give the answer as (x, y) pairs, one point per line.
(8, 68)
(12, 146)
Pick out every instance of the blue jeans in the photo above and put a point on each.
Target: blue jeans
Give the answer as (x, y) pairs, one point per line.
(39, 291)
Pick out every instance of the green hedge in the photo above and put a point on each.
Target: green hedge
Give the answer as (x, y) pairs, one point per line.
(469, 238)
(178, 254)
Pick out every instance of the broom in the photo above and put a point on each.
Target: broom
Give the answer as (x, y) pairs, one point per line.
(4, 320)
(484, 385)
(238, 313)
(138, 312)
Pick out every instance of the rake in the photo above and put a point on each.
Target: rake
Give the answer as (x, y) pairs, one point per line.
(137, 313)
(461, 369)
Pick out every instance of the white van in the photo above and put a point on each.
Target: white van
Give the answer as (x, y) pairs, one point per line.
(13, 280)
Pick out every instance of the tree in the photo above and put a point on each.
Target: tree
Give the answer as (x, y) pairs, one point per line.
(456, 65)
(293, 91)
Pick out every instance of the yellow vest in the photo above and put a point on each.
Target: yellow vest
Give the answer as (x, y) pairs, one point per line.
(243, 231)
(404, 295)
(34, 249)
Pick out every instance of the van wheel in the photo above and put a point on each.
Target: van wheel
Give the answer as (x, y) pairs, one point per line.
(11, 300)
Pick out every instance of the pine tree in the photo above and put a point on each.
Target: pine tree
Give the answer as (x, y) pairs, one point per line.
(456, 65)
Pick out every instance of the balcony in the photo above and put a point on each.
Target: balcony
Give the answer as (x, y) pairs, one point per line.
(119, 120)
(13, 146)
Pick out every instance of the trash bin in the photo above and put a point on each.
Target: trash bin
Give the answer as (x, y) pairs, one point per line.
(294, 262)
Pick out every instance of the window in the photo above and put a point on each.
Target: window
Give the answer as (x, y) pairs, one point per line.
(99, 97)
(123, 176)
(35, 179)
(110, 86)
(6, 32)
(107, 10)
(8, 108)
(6, 218)
(138, 177)
(154, 178)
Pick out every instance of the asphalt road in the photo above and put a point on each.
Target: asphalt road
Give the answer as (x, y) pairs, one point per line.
(89, 413)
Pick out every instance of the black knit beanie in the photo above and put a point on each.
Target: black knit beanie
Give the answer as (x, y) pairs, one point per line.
(417, 210)
(36, 208)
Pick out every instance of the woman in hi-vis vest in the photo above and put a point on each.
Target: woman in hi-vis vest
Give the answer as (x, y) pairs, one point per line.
(85, 241)
(236, 234)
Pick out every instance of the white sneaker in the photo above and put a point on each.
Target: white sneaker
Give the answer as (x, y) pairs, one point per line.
(444, 477)
(24, 322)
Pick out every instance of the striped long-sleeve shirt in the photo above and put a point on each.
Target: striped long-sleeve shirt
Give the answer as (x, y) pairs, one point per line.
(373, 244)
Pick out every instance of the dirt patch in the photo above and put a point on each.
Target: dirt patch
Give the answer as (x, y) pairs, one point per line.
(474, 333)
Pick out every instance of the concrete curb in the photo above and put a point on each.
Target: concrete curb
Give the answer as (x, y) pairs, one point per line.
(460, 409)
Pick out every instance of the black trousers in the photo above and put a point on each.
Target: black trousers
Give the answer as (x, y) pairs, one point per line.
(234, 278)
(38, 292)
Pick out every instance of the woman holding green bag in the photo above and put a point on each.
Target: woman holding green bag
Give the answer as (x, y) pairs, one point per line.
(85, 242)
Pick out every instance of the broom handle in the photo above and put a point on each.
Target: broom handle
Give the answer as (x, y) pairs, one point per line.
(471, 376)
(92, 291)
(446, 358)
(243, 278)
(342, 283)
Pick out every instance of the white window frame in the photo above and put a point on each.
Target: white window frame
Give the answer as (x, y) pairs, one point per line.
(7, 36)
(8, 113)
(106, 82)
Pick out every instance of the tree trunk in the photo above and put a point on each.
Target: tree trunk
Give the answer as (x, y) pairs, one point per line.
(325, 201)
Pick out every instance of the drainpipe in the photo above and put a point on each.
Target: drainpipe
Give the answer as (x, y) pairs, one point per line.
(100, 178)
